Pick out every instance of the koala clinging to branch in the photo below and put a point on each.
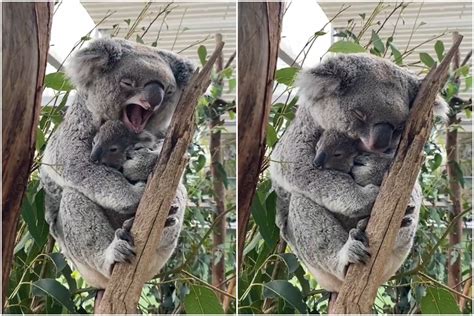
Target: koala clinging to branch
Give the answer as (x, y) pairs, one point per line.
(88, 204)
(320, 210)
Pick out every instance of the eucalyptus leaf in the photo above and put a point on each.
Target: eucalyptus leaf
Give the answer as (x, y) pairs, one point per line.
(55, 290)
(202, 300)
(439, 301)
(346, 47)
(286, 291)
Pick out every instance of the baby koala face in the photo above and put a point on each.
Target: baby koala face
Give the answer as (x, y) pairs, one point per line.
(113, 140)
(336, 151)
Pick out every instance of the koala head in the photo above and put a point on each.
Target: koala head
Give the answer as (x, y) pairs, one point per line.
(113, 140)
(137, 84)
(366, 97)
(335, 150)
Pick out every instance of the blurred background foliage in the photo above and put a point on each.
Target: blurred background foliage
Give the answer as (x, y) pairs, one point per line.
(274, 281)
(42, 281)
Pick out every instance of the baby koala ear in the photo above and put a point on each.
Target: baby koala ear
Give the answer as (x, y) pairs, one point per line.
(181, 67)
(87, 63)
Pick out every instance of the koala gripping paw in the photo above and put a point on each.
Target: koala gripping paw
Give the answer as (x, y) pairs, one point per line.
(356, 249)
(122, 248)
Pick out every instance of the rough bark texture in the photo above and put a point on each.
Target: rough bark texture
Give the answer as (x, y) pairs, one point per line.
(125, 286)
(259, 36)
(215, 148)
(25, 43)
(455, 235)
(362, 282)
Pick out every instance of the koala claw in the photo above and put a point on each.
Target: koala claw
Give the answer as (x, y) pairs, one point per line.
(173, 209)
(171, 221)
(127, 224)
(406, 221)
(357, 247)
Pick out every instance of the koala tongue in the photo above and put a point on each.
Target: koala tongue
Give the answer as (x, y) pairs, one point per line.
(135, 115)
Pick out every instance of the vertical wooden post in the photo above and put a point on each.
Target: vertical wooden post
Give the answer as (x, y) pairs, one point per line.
(455, 235)
(259, 38)
(25, 43)
(215, 148)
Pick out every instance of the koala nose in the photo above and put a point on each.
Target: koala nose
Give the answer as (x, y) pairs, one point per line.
(319, 160)
(96, 155)
(154, 93)
(381, 137)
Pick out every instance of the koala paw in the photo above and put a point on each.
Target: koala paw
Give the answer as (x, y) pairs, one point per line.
(356, 249)
(370, 191)
(122, 248)
(406, 233)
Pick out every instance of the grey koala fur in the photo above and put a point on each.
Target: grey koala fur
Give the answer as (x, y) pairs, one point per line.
(87, 204)
(133, 154)
(320, 212)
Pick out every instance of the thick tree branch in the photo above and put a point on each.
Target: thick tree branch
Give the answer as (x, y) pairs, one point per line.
(259, 33)
(125, 286)
(25, 43)
(362, 282)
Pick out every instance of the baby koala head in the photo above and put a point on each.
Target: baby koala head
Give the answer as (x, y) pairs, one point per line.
(335, 150)
(113, 140)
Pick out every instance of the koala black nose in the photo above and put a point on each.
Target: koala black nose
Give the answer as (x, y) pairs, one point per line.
(96, 155)
(154, 93)
(319, 160)
(381, 136)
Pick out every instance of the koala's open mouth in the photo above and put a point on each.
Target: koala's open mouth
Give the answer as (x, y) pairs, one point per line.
(135, 117)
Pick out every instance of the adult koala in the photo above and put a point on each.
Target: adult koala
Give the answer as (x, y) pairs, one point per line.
(89, 206)
(319, 211)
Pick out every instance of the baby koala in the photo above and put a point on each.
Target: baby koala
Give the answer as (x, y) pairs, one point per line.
(335, 150)
(114, 146)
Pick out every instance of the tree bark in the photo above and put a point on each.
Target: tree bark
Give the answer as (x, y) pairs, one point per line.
(259, 34)
(455, 235)
(215, 148)
(362, 282)
(26, 33)
(127, 280)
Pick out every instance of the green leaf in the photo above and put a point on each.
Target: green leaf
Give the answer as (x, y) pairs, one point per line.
(439, 48)
(139, 40)
(272, 137)
(54, 289)
(40, 139)
(462, 71)
(202, 53)
(222, 174)
(320, 33)
(200, 163)
(398, 59)
(286, 291)
(346, 47)
(202, 300)
(439, 301)
(300, 275)
(436, 162)
(291, 261)
(227, 73)
(458, 172)
(58, 81)
(232, 85)
(286, 76)
(377, 42)
(427, 59)
(468, 81)
(265, 220)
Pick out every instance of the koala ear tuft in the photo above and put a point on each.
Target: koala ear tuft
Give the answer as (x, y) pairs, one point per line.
(333, 75)
(89, 62)
(440, 108)
(181, 67)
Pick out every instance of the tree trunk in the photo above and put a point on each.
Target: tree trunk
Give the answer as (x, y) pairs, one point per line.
(26, 33)
(259, 38)
(455, 235)
(215, 148)
(127, 280)
(362, 281)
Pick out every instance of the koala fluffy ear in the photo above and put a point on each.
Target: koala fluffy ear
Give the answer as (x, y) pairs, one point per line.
(89, 62)
(329, 77)
(181, 67)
